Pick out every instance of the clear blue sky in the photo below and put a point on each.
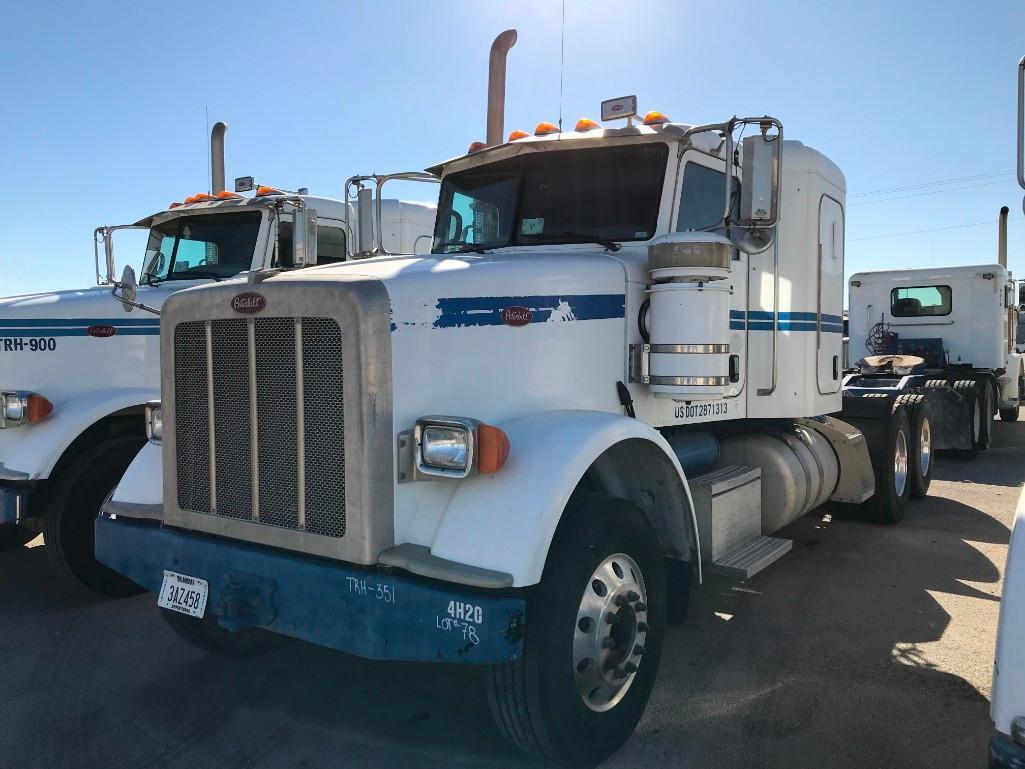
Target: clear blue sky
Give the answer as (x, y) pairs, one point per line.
(103, 103)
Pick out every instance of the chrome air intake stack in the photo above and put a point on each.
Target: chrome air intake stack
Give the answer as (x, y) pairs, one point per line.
(689, 316)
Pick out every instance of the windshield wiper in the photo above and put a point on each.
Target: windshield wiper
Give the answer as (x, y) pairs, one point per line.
(467, 248)
(609, 245)
(194, 274)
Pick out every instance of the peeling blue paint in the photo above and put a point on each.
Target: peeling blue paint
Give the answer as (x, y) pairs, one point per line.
(456, 312)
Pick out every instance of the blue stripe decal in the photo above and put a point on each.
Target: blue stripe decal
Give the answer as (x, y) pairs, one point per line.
(487, 310)
(42, 332)
(84, 322)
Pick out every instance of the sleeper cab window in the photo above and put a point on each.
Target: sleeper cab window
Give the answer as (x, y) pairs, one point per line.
(920, 301)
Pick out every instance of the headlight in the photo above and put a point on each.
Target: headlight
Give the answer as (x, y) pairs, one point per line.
(446, 447)
(154, 422)
(455, 447)
(19, 407)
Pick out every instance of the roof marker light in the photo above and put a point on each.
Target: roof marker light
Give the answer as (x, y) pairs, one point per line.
(476, 147)
(655, 118)
(585, 124)
(190, 199)
(175, 205)
(546, 128)
(517, 134)
(265, 190)
(199, 197)
(227, 195)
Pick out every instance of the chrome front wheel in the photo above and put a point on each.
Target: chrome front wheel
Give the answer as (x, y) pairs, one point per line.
(608, 642)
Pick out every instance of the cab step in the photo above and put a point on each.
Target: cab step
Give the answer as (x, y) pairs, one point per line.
(746, 560)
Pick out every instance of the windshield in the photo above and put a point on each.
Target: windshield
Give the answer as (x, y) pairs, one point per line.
(201, 246)
(555, 196)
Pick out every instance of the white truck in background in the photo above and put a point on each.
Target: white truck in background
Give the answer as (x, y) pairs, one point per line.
(79, 366)
(942, 342)
(613, 371)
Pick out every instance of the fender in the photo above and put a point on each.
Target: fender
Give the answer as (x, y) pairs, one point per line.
(139, 493)
(30, 452)
(506, 521)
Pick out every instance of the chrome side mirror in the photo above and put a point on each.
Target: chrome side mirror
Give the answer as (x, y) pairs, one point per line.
(129, 288)
(759, 198)
(106, 235)
(365, 220)
(304, 237)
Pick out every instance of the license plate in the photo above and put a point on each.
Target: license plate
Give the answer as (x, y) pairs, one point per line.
(183, 593)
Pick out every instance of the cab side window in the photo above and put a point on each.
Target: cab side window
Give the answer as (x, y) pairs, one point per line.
(701, 198)
(330, 245)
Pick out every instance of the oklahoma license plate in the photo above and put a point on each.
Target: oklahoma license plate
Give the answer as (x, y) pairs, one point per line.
(183, 593)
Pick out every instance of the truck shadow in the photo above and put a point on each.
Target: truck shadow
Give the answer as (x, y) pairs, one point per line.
(1008, 439)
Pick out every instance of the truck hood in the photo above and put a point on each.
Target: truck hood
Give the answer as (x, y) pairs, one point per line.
(87, 306)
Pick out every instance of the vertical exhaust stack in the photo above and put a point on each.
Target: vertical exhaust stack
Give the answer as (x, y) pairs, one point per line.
(217, 157)
(1002, 237)
(496, 86)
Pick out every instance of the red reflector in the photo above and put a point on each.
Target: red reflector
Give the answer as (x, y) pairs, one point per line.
(492, 448)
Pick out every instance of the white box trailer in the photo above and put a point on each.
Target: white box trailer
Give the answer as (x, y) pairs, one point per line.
(509, 452)
(79, 369)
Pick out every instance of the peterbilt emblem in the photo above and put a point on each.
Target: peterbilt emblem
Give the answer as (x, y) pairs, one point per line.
(517, 316)
(248, 303)
(101, 331)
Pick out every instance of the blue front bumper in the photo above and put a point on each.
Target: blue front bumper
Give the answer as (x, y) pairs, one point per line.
(360, 611)
(13, 505)
(1004, 753)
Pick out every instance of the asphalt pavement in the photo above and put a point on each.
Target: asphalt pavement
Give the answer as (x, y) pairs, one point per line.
(867, 646)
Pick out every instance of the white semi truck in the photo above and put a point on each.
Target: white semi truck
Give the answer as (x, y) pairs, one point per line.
(1007, 709)
(612, 373)
(78, 369)
(944, 339)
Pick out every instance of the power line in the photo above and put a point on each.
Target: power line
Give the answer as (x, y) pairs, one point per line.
(937, 183)
(928, 192)
(932, 229)
(562, 60)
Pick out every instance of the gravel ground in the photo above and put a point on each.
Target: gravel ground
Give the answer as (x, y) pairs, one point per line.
(867, 646)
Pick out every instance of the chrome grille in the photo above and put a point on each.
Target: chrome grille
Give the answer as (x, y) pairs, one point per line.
(272, 390)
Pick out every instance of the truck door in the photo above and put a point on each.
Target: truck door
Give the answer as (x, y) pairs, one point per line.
(830, 295)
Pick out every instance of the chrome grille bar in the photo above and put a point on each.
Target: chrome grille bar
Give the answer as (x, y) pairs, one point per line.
(254, 437)
(300, 424)
(210, 413)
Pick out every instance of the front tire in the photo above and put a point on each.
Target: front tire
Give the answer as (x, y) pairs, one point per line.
(594, 638)
(69, 531)
(13, 536)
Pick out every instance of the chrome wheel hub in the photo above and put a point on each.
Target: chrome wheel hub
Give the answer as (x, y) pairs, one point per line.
(611, 627)
(900, 464)
(925, 448)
